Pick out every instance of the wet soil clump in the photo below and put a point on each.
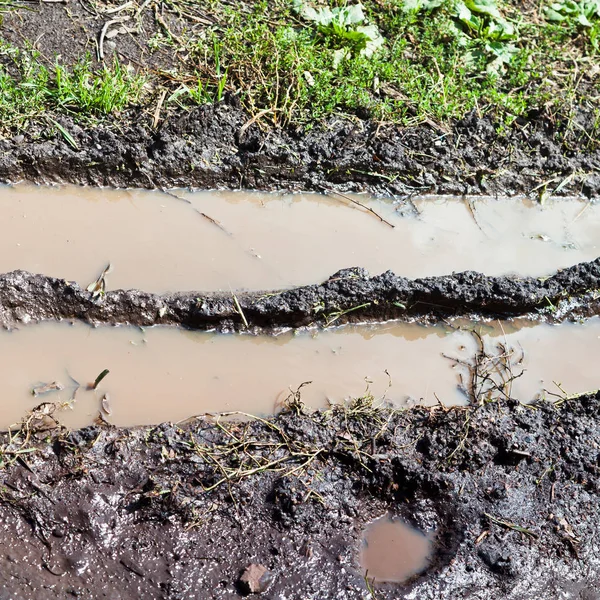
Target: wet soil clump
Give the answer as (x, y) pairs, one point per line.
(205, 148)
(348, 295)
(184, 511)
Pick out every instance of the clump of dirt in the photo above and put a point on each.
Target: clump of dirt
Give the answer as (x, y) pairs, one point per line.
(349, 295)
(205, 148)
(182, 511)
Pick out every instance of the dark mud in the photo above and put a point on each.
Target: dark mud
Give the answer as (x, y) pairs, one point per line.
(349, 295)
(207, 148)
(178, 512)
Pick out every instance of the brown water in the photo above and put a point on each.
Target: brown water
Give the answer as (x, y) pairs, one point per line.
(393, 551)
(262, 241)
(168, 374)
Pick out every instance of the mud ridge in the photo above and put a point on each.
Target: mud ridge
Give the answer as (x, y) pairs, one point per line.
(348, 295)
(208, 147)
(179, 511)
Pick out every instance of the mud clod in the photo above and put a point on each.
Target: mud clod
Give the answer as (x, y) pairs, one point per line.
(348, 295)
(497, 559)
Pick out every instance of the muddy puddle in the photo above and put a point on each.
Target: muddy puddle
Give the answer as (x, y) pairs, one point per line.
(217, 240)
(393, 551)
(168, 374)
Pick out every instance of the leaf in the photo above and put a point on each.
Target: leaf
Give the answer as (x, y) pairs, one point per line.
(358, 38)
(503, 53)
(100, 378)
(412, 5)
(323, 16)
(345, 24)
(512, 526)
(375, 39)
(418, 5)
(44, 388)
(309, 13)
(106, 404)
(484, 7)
(550, 14)
(310, 80)
(68, 137)
(465, 16)
(339, 56)
(98, 287)
(582, 12)
(349, 15)
(500, 30)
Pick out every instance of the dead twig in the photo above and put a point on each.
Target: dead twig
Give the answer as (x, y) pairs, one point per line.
(363, 206)
(239, 310)
(213, 221)
(104, 31)
(158, 108)
(255, 118)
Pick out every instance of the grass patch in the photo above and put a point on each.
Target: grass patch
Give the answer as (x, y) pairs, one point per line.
(436, 64)
(299, 63)
(30, 90)
(108, 90)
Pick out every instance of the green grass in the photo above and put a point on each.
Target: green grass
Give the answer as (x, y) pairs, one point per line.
(427, 69)
(105, 91)
(435, 66)
(30, 90)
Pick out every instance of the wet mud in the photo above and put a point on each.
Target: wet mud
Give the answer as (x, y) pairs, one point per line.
(219, 146)
(509, 494)
(213, 508)
(349, 295)
(218, 506)
(360, 155)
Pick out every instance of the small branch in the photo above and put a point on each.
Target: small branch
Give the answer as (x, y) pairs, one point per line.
(104, 31)
(255, 118)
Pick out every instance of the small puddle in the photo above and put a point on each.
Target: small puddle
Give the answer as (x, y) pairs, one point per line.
(393, 552)
(238, 240)
(168, 374)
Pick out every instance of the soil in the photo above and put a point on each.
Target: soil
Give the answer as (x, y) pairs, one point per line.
(350, 295)
(172, 512)
(220, 147)
(203, 148)
(510, 492)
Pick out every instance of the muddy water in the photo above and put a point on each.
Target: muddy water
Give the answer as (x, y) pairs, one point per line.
(393, 551)
(257, 241)
(163, 374)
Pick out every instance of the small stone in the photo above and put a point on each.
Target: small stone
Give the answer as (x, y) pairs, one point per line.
(255, 579)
